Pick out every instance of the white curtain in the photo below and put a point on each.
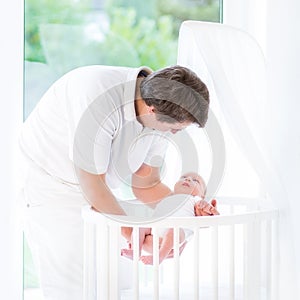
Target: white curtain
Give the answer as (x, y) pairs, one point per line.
(232, 64)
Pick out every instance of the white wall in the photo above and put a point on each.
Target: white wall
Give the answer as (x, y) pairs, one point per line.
(11, 61)
(275, 25)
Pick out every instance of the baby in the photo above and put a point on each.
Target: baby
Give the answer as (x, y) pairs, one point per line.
(189, 184)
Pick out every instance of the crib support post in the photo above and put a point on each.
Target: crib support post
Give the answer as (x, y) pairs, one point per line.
(252, 263)
(114, 258)
(136, 254)
(215, 262)
(268, 255)
(232, 239)
(155, 264)
(88, 271)
(275, 259)
(102, 263)
(232, 262)
(196, 263)
(176, 263)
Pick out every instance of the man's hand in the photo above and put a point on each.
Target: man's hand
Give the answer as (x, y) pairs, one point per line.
(203, 208)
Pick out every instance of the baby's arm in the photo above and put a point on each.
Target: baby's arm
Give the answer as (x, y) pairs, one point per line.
(165, 248)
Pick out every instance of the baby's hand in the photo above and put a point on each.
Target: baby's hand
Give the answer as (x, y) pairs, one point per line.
(203, 208)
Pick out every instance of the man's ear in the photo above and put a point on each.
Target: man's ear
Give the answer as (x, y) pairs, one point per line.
(151, 109)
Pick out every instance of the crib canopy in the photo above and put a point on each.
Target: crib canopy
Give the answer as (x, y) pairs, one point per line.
(231, 63)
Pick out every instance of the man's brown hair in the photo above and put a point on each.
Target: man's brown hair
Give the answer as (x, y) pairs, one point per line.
(177, 95)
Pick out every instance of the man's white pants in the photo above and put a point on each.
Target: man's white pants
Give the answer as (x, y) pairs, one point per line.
(54, 230)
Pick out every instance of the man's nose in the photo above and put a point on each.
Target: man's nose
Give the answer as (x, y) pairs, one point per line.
(174, 130)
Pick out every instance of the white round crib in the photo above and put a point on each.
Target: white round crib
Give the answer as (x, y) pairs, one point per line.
(230, 256)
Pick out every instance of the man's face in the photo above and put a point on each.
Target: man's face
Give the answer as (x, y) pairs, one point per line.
(190, 183)
(148, 118)
(171, 127)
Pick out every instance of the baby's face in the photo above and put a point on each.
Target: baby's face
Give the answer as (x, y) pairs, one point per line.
(190, 183)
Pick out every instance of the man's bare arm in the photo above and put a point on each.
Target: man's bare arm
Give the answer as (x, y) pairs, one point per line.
(98, 194)
(147, 185)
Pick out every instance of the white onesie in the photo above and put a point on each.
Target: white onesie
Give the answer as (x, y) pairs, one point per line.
(179, 205)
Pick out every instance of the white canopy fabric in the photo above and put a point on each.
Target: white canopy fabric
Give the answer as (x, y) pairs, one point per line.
(231, 63)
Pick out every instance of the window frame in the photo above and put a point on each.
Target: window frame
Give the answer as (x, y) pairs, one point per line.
(11, 117)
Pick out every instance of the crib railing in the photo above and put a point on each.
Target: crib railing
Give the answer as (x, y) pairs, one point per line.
(256, 235)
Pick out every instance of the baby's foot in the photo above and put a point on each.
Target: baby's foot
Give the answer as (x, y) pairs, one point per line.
(127, 253)
(147, 259)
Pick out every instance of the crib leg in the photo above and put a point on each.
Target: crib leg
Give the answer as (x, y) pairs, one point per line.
(252, 264)
(102, 263)
(176, 263)
(136, 249)
(155, 264)
(114, 289)
(231, 262)
(215, 262)
(85, 266)
(196, 263)
(275, 260)
(89, 280)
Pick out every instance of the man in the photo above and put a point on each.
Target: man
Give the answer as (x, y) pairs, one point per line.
(96, 128)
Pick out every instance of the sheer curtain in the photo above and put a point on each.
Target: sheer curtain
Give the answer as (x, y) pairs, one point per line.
(232, 64)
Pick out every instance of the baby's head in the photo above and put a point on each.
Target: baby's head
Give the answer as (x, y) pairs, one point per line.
(190, 183)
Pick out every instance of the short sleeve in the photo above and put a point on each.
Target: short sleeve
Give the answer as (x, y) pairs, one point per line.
(92, 94)
(94, 136)
(157, 150)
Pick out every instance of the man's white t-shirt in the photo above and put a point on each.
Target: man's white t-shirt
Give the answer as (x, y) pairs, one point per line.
(88, 117)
